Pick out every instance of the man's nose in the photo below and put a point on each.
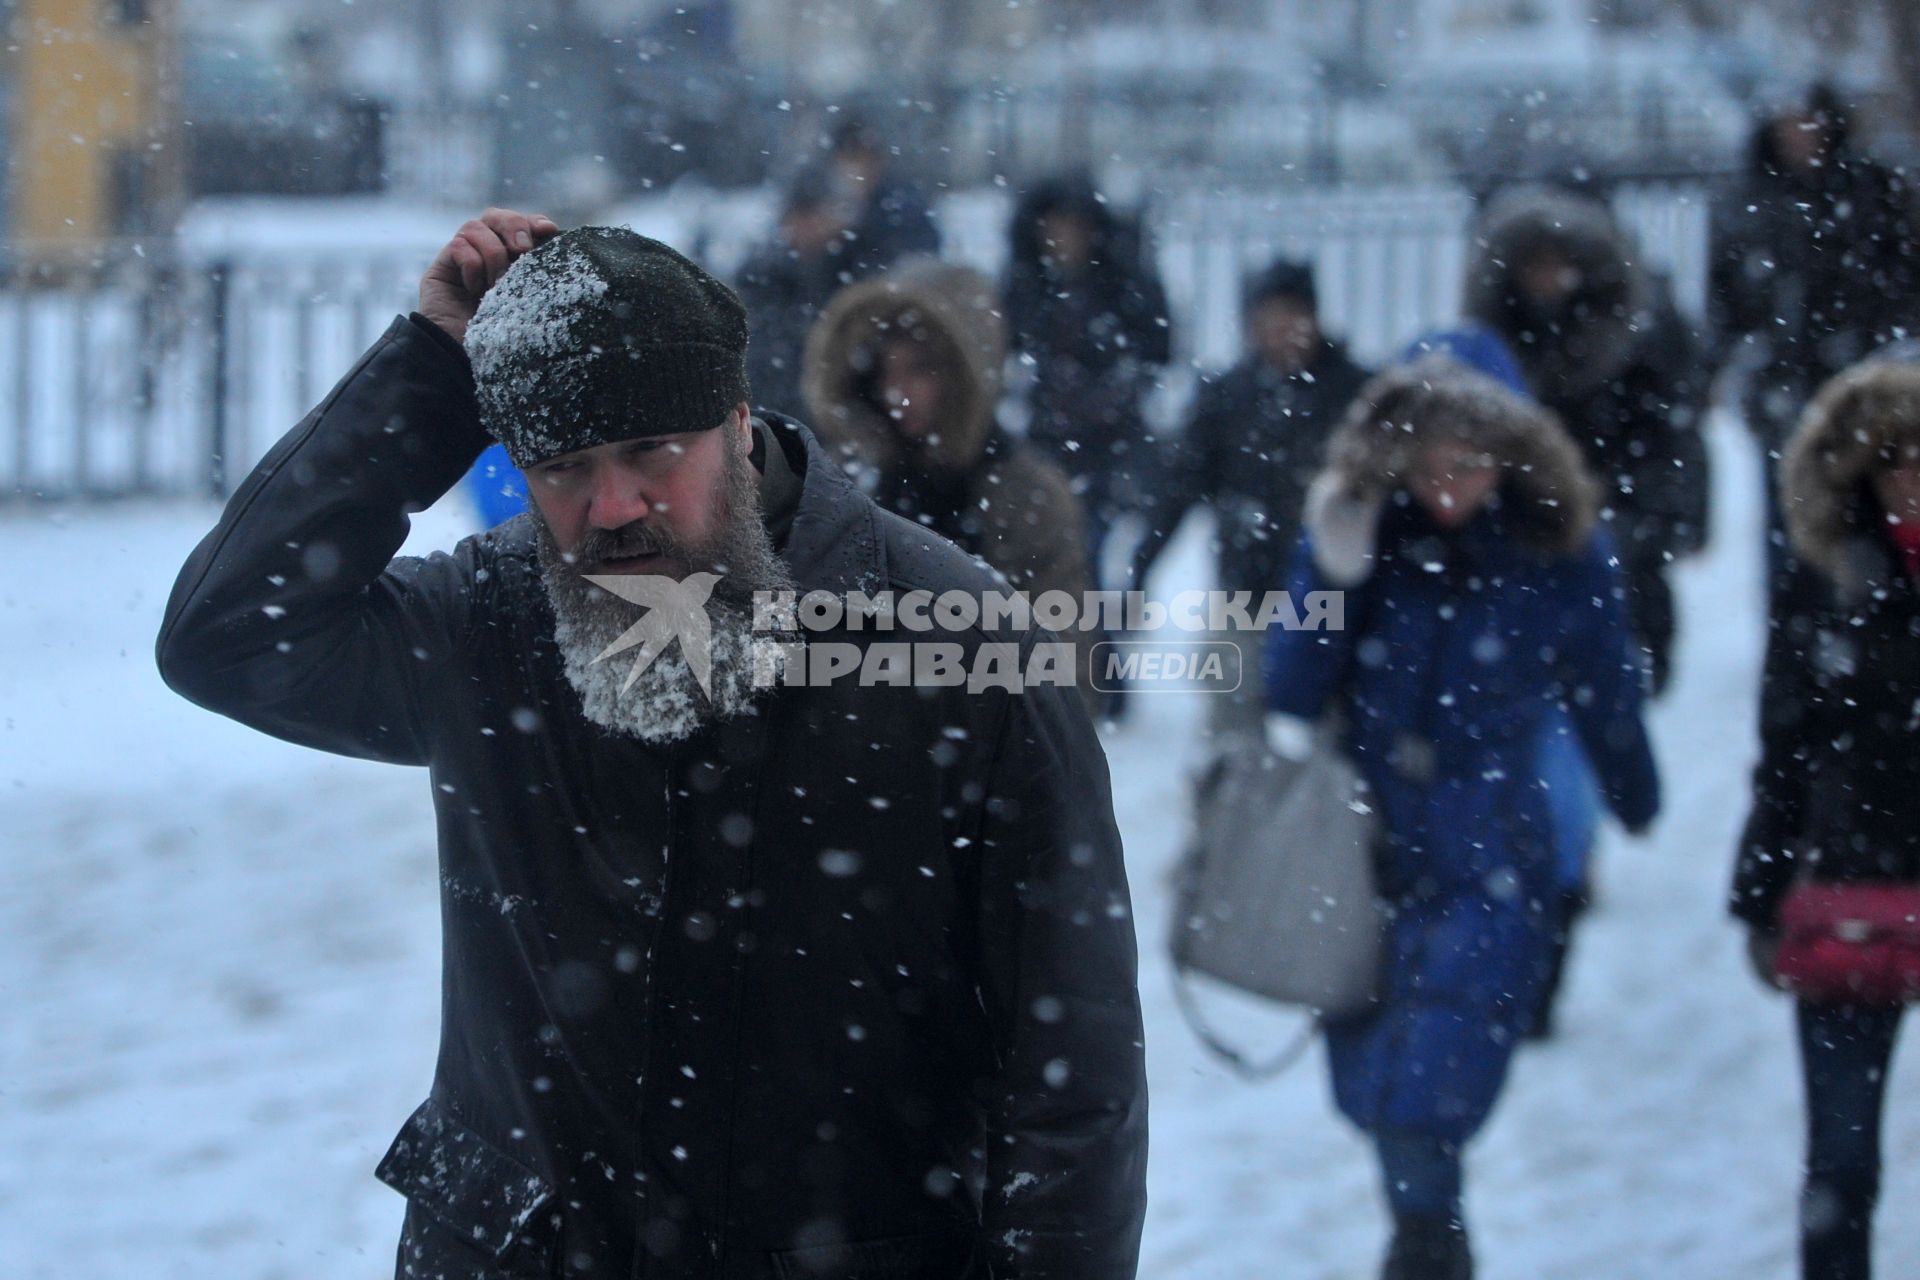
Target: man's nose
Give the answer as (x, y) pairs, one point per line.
(618, 500)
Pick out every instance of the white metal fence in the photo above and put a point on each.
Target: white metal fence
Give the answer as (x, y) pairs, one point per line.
(137, 376)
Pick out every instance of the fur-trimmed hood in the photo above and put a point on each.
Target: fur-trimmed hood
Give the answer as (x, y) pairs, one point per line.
(1578, 348)
(1865, 419)
(1545, 485)
(956, 308)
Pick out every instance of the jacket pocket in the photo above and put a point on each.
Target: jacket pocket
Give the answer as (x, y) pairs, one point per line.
(949, 1254)
(472, 1210)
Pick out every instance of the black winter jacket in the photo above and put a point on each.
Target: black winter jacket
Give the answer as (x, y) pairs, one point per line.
(1255, 438)
(1836, 794)
(1615, 361)
(1094, 338)
(842, 987)
(785, 294)
(1817, 269)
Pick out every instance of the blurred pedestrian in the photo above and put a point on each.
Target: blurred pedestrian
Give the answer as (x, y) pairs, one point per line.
(1460, 522)
(903, 383)
(1813, 266)
(1602, 347)
(1572, 792)
(885, 214)
(1254, 439)
(1832, 843)
(788, 283)
(1085, 309)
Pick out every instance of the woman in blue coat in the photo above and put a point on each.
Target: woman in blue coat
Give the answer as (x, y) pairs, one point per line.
(1481, 600)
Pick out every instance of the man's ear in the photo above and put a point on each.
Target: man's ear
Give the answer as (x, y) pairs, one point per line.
(741, 421)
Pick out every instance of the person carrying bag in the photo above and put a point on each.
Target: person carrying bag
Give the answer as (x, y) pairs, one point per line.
(1481, 597)
(1827, 876)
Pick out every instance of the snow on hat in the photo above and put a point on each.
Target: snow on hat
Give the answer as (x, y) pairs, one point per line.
(602, 334)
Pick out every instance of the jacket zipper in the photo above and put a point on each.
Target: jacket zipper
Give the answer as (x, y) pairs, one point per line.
(649, 989)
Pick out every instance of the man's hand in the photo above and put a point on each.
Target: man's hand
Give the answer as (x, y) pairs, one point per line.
(473, 262)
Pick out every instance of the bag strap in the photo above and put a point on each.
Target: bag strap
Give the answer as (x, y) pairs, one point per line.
(1246, 1067)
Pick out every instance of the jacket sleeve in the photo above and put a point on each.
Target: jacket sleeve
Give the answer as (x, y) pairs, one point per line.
(1892, 250)
(1045, 549)
(1661, 400)
(1149, 326)
(1740, 274)
(1066, 1107)
(1016, 304)
(1605, 686)
(293, 616)
(1765, 863)
(908, 222)
(1188, 476)
(1303, 668)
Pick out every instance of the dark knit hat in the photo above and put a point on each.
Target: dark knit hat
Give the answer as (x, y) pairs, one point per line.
(1283, 279)
(601, 334)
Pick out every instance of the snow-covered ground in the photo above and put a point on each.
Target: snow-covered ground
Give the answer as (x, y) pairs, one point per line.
(219, 986)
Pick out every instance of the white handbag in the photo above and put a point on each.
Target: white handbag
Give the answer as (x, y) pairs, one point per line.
(1277, 889)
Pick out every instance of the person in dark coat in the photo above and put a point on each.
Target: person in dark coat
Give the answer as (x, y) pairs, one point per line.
(886, 215)
(816, 978)
(1254, 440)
(1459, 521)
(787, 283)
(1836, 793)
(1603, 348)
(1813, 266)
(1086, 310)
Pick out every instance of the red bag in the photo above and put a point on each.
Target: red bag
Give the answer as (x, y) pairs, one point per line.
(1851, 943)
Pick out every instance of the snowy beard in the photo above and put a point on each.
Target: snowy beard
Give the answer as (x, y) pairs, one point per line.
(664, 703)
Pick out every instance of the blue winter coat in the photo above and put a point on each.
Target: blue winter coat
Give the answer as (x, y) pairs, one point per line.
(1457, 651)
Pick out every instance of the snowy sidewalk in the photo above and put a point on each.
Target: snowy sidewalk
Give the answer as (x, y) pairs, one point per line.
(219, 985)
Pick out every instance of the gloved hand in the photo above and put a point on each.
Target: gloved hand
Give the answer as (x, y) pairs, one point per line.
(1763, 950)
(1343, 528)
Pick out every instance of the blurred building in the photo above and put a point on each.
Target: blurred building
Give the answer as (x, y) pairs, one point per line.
(92, 120)
(578, 104)
(275, 121)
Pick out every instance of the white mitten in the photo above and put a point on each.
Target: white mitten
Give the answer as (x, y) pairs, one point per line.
(1343, 529)
(1289, 737)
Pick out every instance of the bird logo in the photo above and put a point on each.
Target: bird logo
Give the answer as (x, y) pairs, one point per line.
(676, 610)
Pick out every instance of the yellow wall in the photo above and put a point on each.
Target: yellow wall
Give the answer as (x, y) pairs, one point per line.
(85, 88)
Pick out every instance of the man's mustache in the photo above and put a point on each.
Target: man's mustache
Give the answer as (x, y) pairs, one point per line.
(637, 539)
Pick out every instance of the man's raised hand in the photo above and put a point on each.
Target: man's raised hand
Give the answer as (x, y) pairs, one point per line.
(473, 262)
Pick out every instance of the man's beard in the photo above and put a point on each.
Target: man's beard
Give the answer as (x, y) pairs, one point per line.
(665, 703)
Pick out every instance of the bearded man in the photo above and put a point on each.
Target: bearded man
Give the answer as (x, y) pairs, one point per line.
(740, 981)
